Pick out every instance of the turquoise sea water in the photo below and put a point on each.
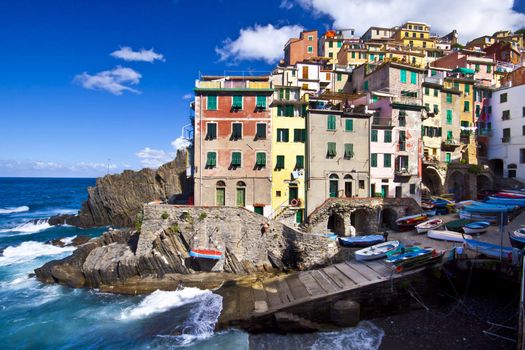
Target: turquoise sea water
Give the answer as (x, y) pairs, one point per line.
(38, 316)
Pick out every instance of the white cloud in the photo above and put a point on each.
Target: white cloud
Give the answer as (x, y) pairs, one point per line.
(46, 165)
(187, 96)
(153, 158)
(286, 4)
(472, 18)
(258, 43)
(127, 54)
(180, 143)
(115, 81)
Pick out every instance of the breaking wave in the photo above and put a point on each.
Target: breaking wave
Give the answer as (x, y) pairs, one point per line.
(29, 227)
(28, 251)
(14, 210)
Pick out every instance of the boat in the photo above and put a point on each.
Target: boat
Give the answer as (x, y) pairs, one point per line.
(464, 203)
(442, 202)
(444, 235)
(434, 257)
(377, 251)
(206, 254)
(361, 241)
(456, 225)
(476, 227)
(487, 207)
(409, 254)
(492, 218)
(506, 201)
(431, 212)
(510, 195)
(520, 233)
(429, 225)
(427, 205)
(408, 222)
(517, 242)
(492, 250)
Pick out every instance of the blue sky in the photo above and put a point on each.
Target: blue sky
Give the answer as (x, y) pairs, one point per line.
(61, 110)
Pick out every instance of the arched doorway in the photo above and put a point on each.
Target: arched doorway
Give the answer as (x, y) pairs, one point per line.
(336, 224)
(220, 193)
(348, 185)
(457, 185)
(483, 182)
(432, 181)
(359, 220)
(333, 185)
(241, 194)
(388, 218)
(496, 165)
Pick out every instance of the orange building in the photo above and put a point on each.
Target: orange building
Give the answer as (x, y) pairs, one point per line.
(302, 48)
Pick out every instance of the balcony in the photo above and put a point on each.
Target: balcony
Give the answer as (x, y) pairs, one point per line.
(505, 139)
(450, 145)
(385, 122)
(433, 80)
(430, 160)
(233, 83)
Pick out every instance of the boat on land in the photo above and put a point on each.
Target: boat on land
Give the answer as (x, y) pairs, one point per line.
(519, 232)
(476, 227)
(487, 207)
(409, 222)
(377, 251)
(444, 235)
(427, 205)
(516, 241)
(506, 201)
(492, 218)
(511, 195)
(492, 250)
(361, 241)
(434, 257)
(456, 225)
(206, 254)
(407, 254)
(431, 224)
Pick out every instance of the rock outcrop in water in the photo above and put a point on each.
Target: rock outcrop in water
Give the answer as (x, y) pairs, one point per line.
(117, 199)
(121, 259)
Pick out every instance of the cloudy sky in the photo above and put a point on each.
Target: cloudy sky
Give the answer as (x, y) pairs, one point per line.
(90, 87)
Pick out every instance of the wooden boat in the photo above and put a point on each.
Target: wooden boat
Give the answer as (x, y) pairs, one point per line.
(410, 254)
(206, 254)
(361, 241)
(492, 250)
(476, 227)
(377, 251)
(429, 225)
(511, 195)
(434, 257)
(444, 235)
(408, 222)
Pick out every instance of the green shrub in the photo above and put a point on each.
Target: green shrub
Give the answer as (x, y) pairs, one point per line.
(165, 215)
(138, 221)
(203, 216)
(175, 228)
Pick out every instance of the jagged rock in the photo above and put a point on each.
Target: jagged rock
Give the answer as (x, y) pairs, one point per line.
(117, 199)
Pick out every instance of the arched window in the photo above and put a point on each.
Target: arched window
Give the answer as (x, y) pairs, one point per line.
(348, 177)
(220, 193)
(241, 194)
(220, 183)
(333, 185)
(334, 176)
(348, 185)
(241, 184)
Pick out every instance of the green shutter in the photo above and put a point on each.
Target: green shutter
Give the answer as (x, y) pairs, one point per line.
(489, 68)
(436, 109)
(261, 102)
(467, 88)
(427, 90)
(331, 149)
(211, 131)
(339, 43)
(447, 157)
(366, 85)
(288, 111)
(436, 92)
(331, 122)
(261, 131)
(349, 150)
(387, 160)
(287, 94)
(339, 77)
(299, 162)
(211, 103)
(260, 160)
(413, 78)
(221, 198)
(237, 102)
(449, 97)
(449, 135)
(280, 162)
(349, 124)
(241, 194)
(281, 94)
(388, 136)
(449, 116)
(466, 106)
(236, 159)
(403, 76)
(236, 131)
(211, 159)
(280, 111)
(373, 160)
(282, 135)
(298, 135)
(373, 138)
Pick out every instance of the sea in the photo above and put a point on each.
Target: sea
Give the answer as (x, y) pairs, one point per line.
(40, 316)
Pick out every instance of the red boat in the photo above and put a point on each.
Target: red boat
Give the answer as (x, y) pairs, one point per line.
(509, 195)
(409, 222)
(206, 254)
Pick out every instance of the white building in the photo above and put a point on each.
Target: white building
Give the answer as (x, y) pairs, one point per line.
(507, 145)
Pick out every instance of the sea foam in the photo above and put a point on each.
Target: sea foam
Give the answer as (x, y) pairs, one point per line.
(28, 251)
(14, 210)
(29, 227)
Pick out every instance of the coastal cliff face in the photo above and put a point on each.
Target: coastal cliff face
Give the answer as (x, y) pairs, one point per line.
(160, 251)
(117, 199)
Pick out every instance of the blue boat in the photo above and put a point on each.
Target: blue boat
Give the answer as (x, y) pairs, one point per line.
(412, 253)
(206, 254)
(476, 227)
(506, 201)
(517, 242)
(492, 250)
(361, 241)
(485, 208)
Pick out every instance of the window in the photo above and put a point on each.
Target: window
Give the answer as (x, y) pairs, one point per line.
(412, 188)
(449, 116)
(283, 135)
(477, 68)
(523, 130)
(330, 122)
(503, 98)
(387, 160)
(427, 90)
(365, 86)
(237, 102)
(260, 159)
(241, 194)
(372, 57)
(305, 72)
(331, 54)
(466, 106)
(310, 37)
(402, 118)
(331, 150)
(339, 43)
(449, 135)
(387, 136)
(506, 135)
(467, 89)
(349, 124)
(339, 77)
(236, 159)
(236, 131)
(211, 131)
(436, 109)
(310, 49)
(456, 86)
(211, 160)
(449, 97)
(330, 44)
(299, 162)
(278, 193)
(403, 76)
(261, 131)
(522, 155)
(523, 112)
(261, 102)
(373, 136)
(353, 54)
(362, 184)
(447, 157)
(211, 103)
(349, 150)
(413, 78)
(505, 115)
(489, 68)
(436, 91)
(289, 111)
(402, 139)
(279, 165)
(220, 193)
(373, 160)
(299, 135)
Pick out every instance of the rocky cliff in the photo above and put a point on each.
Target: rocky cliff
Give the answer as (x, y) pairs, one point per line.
(159, 251)
(117, 199)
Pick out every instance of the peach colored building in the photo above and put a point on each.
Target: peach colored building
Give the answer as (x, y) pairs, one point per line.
(302, 48)
(482, 66)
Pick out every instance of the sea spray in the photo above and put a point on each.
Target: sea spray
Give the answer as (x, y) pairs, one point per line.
(21, 209)
(28, 251)
(29, 227)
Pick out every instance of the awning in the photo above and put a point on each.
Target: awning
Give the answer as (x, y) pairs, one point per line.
(464, 71)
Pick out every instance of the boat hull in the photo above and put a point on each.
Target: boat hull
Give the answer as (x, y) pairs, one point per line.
(377, 251)
(429, 225)
(449, 236)
(360, 241)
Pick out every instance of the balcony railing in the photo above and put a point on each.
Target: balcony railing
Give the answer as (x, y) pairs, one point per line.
(433, 80)
(232, 84)
(505, 139)
(382, 121)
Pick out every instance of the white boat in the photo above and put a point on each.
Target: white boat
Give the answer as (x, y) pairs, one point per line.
(444, 235)
(429, 225)
(520, 233)
(476, 227)
(377, 251)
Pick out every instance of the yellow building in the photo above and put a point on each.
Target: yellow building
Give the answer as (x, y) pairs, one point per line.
(415, 34)
(288, 152)
(432, 130)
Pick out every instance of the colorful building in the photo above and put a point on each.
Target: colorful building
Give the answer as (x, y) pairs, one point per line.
(302, 48)
(415, 34)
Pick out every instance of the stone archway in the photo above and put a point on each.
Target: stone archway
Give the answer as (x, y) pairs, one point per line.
(496, 165)
(433, 180)
(360, 221)
(483, 182)
(336, 224)
(456, 185)
(388, 218)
